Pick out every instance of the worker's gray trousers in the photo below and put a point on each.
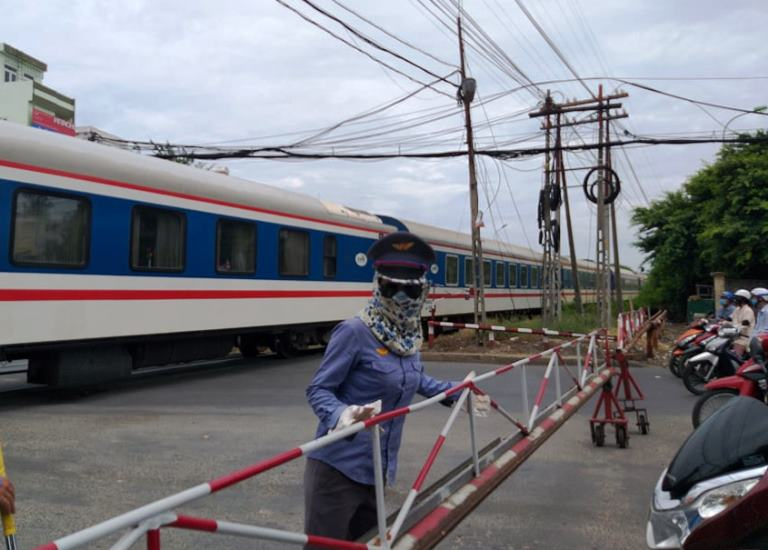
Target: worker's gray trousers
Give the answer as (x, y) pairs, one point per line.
(334, 505)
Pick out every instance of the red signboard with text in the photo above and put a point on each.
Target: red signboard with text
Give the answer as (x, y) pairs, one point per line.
(41, 119)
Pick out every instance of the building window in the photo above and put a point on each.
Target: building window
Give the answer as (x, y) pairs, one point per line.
(10, 74)
(452, 270)
(500, 274)
(50, 229)
(329, 257)
(157, 239)
(469, 272)
(486, 273)
(294, 253)
(523, 276)
(235, 247)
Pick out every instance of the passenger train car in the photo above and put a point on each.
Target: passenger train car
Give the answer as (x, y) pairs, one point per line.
(114, 261)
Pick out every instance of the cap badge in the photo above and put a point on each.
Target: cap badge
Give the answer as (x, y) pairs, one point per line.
(402, 247)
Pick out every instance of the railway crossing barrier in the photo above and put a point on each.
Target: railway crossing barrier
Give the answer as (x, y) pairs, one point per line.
(432, 325)
(426, 515)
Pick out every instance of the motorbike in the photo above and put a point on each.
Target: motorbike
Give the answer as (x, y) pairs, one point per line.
(745, 382)
(714, 493)
(717, 360)
(685, 343)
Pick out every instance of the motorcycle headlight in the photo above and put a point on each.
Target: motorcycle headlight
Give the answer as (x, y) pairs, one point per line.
(715, 501)
(671, 521)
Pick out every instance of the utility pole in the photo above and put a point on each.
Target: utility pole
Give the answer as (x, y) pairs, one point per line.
(602, 192)
(466, 94)
(615, 236)
(603, 280)
(549, 228)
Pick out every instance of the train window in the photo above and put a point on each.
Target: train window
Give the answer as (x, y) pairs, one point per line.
(500, 278)
(451, 270)
(523, 276)
(157, 239)
(235, 247)
(294, 253)
(50, 229)
(469, 272)
(487, 273)
(513, 283)
(534, 277)
(329, 256)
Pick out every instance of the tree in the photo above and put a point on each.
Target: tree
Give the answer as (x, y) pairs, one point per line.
(717, 221)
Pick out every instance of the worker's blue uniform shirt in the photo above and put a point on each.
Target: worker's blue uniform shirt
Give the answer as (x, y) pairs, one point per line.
(357, 369)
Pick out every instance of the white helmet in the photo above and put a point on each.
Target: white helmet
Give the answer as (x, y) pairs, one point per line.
(760, 293)
(743, 293)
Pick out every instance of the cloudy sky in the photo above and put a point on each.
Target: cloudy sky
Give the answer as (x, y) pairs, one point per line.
(199, 72)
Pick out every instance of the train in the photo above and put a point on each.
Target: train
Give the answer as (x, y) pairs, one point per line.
(117, 261)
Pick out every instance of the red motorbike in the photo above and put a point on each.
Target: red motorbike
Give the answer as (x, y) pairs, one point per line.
(746, 382)
(691, 342)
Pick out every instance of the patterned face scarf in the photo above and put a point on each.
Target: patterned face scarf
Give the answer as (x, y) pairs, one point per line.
(396, 321)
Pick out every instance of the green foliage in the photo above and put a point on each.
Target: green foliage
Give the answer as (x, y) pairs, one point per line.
(718, 221)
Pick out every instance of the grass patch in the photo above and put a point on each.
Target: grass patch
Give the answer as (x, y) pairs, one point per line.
(571, 320)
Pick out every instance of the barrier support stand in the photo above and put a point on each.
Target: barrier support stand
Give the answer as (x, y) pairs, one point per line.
(153, 539)
(624, 392)
(612, 413)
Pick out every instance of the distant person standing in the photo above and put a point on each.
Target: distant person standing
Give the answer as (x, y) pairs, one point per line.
(726, 309)
(744, 318)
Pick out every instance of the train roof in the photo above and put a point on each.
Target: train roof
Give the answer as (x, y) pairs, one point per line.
(31, 146)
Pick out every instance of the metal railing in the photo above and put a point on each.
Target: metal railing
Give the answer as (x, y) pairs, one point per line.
(148, 520)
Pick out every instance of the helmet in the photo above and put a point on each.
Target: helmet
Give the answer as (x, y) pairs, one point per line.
(728, 295)
(742, 293)
(760, 293)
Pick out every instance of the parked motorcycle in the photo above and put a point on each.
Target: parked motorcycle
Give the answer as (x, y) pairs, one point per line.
(714, 494)
(745, 382)
(684, 343)
(717, 360)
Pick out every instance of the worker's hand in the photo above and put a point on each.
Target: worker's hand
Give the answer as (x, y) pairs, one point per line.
(357, 413)
(7, 497)
(481, 405)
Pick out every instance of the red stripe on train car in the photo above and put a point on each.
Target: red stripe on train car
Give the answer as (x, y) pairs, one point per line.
(54, 295)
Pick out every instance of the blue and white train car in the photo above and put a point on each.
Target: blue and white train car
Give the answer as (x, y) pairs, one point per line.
(115, 261)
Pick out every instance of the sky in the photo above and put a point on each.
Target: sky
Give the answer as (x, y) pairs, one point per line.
(253, 72)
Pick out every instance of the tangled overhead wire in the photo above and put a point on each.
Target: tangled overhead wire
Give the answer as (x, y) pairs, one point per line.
(612, 183)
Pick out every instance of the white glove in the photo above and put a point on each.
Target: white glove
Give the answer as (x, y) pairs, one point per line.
(481, 405)
(357, 413)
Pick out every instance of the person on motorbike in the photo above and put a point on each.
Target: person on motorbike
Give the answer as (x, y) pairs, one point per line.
(744, 318)
(726, 309)
(760, 301)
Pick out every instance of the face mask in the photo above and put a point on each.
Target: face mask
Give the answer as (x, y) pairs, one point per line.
(722, 302)
(754, 301)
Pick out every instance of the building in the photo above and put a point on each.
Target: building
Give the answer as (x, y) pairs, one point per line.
(26, 100)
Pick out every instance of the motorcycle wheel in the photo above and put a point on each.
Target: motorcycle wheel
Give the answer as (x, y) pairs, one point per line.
(674, 365)
(709, 403)
(692, 378)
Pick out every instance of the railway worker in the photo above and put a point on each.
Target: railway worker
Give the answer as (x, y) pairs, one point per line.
(7, 497)
(726, 309)
(371, 364)
(744, 318)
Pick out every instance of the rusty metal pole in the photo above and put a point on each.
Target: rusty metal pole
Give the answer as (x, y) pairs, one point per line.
(571, 245)
(478, 283)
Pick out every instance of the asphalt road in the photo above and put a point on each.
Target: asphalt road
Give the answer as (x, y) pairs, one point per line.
(78, 459)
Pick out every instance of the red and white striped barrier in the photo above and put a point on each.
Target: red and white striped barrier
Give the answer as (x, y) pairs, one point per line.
(148, 520)
(627, 325)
